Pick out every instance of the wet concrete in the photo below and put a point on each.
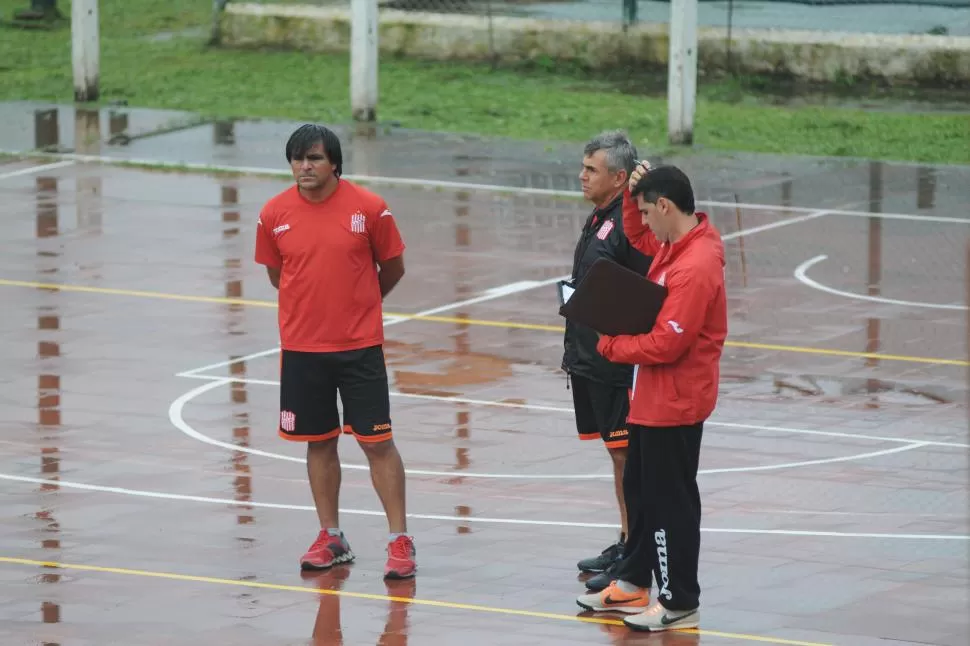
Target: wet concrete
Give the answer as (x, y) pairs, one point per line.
(26, 125)
(837, 551)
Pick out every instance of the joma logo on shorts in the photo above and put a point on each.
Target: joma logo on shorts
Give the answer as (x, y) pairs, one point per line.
(620, 433)
(381, 427)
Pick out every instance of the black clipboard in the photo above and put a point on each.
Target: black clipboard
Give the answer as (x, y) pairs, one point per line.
(614, 300)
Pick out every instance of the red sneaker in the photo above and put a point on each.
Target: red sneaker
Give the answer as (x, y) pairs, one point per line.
(400, 558)
(326, 552)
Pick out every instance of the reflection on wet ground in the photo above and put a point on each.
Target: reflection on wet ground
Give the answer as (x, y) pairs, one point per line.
(138, 404)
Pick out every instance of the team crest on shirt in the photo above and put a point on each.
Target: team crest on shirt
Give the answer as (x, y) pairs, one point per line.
(358, 223)
(605, 230)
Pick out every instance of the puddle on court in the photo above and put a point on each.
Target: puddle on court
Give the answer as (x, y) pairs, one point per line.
(867, 392)
(30, 125)
(328, 625)
(419, 370)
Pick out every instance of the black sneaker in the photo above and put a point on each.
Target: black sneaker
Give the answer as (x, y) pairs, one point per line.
(602, 580)
(601, 563)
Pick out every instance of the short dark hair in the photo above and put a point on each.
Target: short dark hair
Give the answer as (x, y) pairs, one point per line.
(669, 182)
(309, 135)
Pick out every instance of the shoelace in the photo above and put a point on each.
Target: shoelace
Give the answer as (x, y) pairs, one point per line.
(401, 548)
(323, 541)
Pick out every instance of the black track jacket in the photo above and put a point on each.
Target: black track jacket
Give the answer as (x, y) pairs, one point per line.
(602, 237)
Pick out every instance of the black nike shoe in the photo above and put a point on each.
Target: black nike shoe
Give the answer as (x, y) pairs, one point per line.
(602, 580)
(601, 563)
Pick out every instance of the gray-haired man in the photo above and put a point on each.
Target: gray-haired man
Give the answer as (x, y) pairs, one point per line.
(601, 388)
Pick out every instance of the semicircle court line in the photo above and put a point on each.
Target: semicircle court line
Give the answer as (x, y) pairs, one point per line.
(802, 277)
(164, 495)
(176, 417)
(456, 399)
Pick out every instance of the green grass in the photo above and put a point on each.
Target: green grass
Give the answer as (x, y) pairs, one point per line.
(543, 104)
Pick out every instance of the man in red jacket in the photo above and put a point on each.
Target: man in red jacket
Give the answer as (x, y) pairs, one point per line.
(675, 386)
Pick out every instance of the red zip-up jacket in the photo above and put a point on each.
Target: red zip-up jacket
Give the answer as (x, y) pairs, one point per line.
(675, 381)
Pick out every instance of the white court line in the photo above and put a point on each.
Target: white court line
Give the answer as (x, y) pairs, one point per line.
(458, 186)
(805, 463)
(459, 519)
(854, 436)
(488, 295)
(176, 417)
(178, 421)
(569, 409)
(802, 276)
(212, 366)
(778, 224)
(438, 398)
(36, 169)
(840, 212)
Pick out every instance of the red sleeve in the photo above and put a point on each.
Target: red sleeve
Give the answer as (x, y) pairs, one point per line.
(267, 253)
(639, 234)
(676, 329)
(385, 238)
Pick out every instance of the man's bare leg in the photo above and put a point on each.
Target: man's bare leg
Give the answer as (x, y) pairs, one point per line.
(602, 563)
(387, 475)
(619, 462)
(323, 469)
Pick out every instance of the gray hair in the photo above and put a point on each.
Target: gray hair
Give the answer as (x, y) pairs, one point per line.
(621, 154)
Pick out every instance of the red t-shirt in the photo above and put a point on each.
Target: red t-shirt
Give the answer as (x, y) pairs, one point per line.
(329, 295)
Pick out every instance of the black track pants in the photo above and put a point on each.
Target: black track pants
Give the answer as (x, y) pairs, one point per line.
(664, 512)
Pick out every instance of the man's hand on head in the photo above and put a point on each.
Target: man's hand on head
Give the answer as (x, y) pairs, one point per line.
(641, 169)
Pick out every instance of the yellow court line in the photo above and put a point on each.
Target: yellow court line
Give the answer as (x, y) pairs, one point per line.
(848, 353)
(483, 322)
(380, 597)
(730, 344)
(224, 300)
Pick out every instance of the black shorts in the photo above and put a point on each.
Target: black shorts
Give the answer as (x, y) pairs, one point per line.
(310, 382)
(601, 411)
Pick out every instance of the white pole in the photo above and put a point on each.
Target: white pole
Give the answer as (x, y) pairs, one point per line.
(363, 59)
(682, 71)
(85, 49)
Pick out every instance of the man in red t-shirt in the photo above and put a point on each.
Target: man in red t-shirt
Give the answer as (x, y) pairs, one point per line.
(322, 241)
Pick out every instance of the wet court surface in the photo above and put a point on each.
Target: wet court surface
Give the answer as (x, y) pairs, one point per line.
(139, 403)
